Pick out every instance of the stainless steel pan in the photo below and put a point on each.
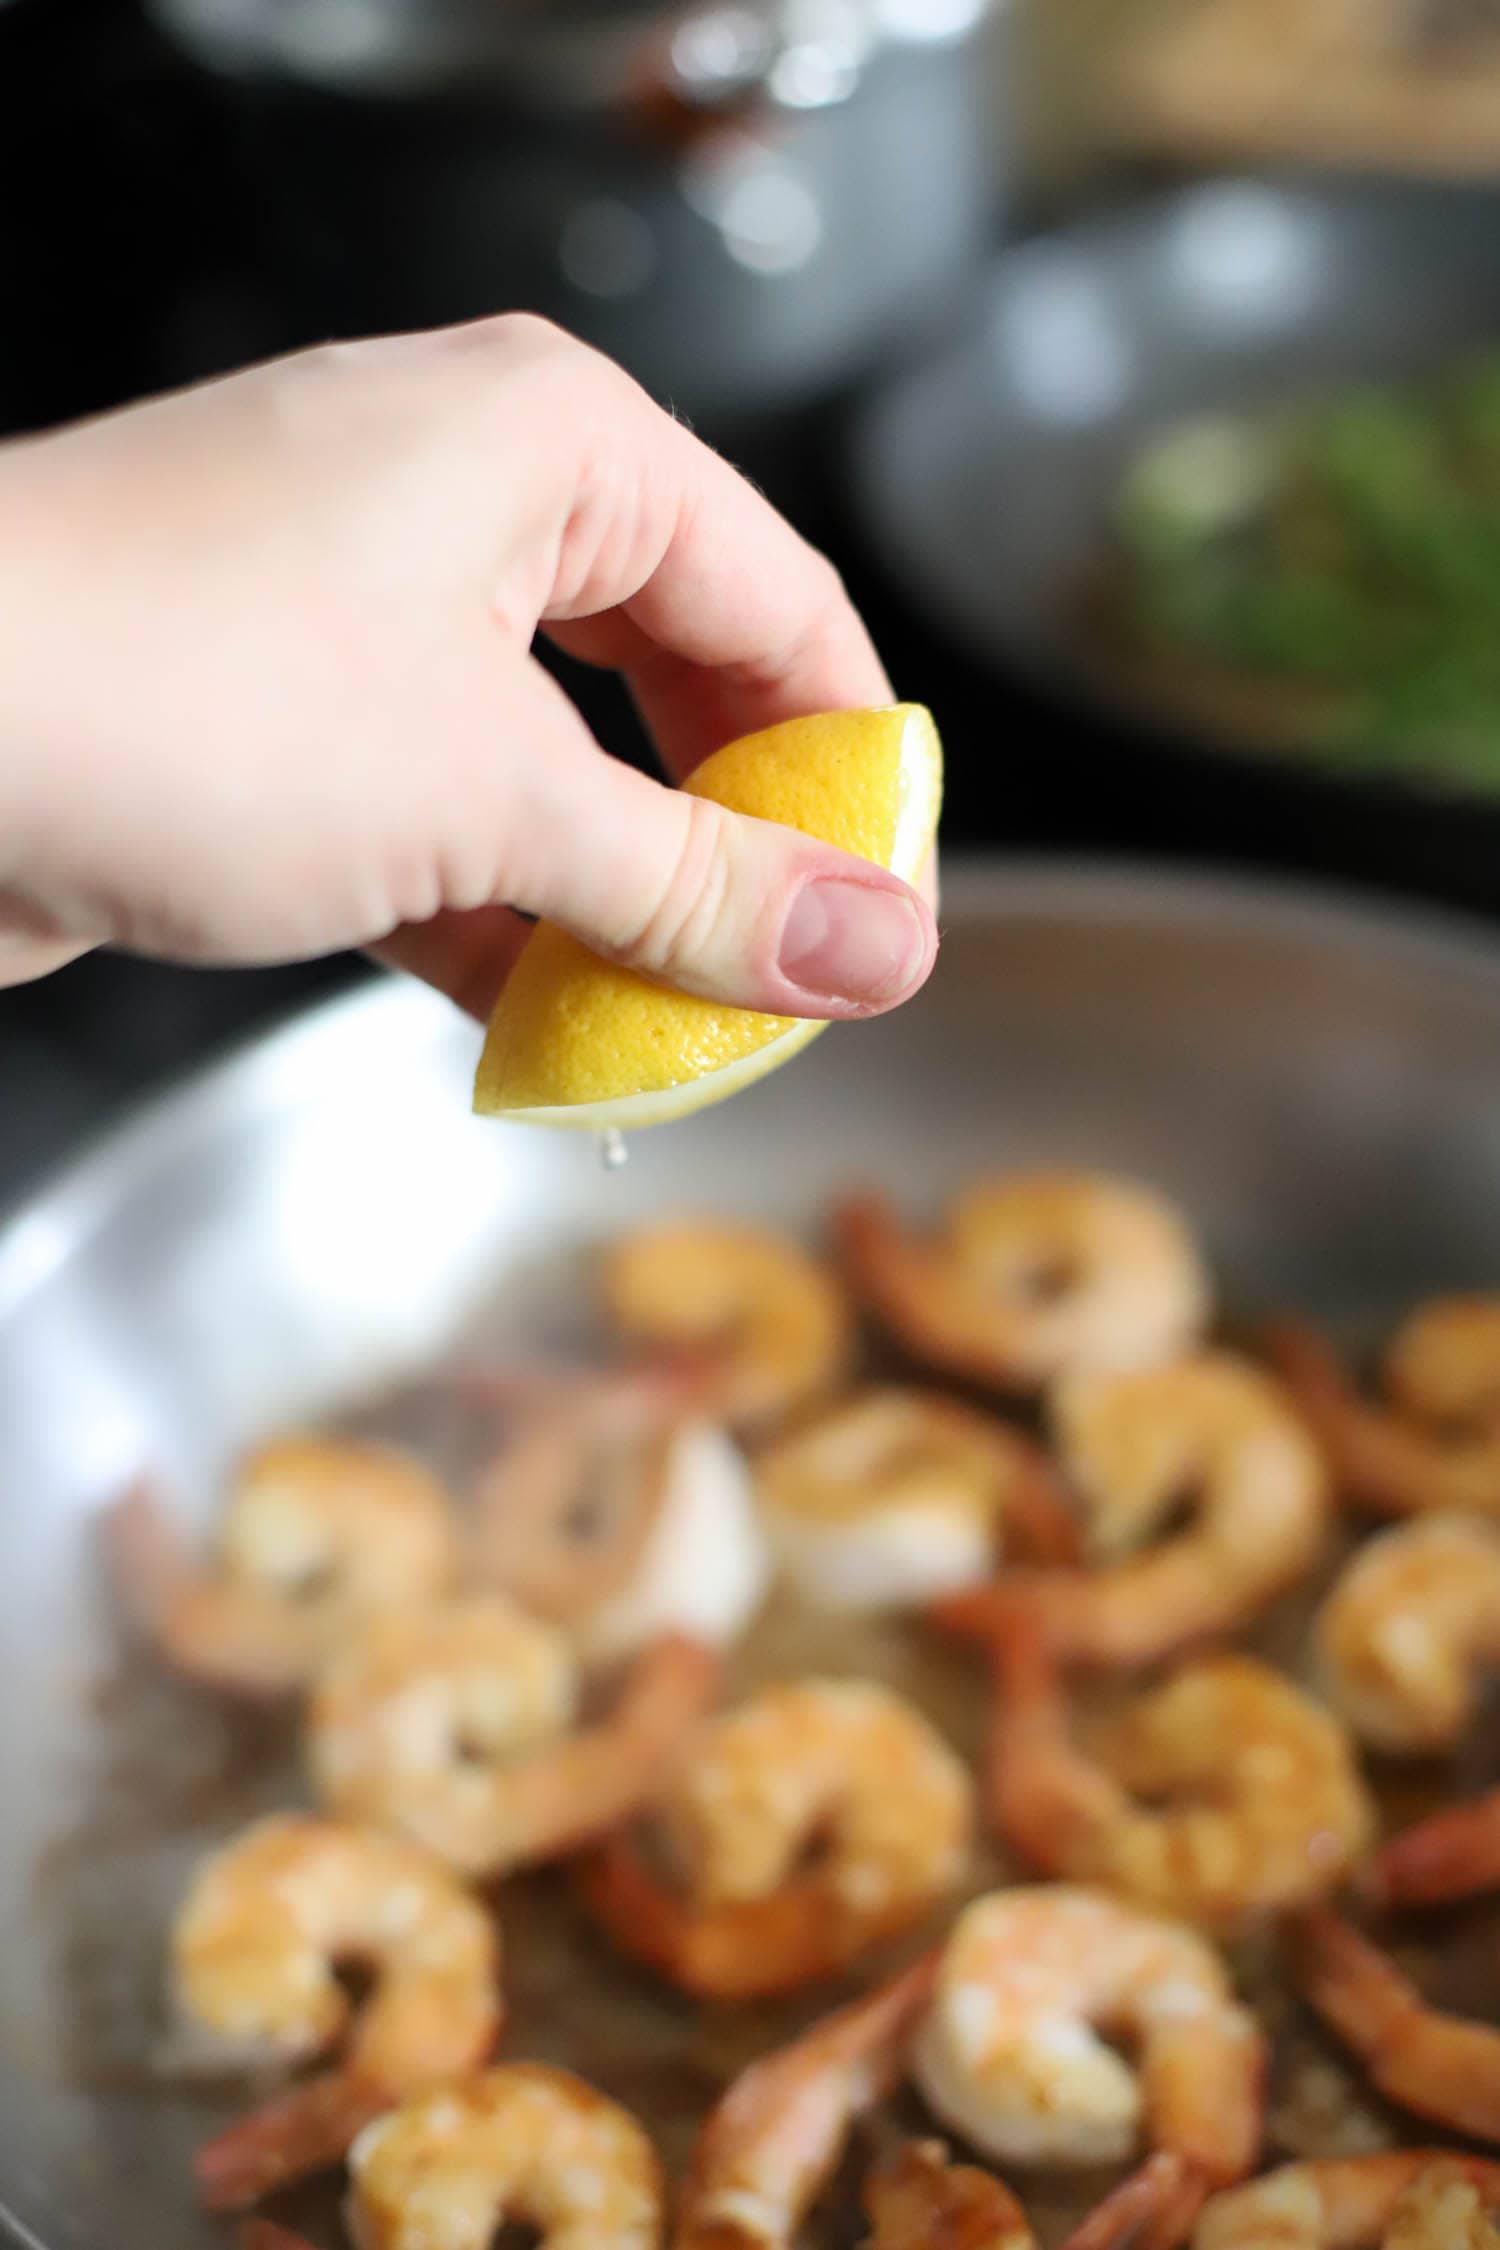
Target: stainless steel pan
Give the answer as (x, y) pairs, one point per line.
(312, 1221)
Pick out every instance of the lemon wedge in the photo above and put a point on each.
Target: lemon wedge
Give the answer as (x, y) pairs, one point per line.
(575, 1040)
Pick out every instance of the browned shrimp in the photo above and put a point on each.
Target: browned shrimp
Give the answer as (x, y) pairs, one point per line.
(617, 1513)
(1407, 1633)
(1213, 1427)
(456, 1725)
(1454, 1855)
(256, 1948)
(524, 2142)
(1437, 1444)
(1401, 2199)
(772, 2141)
(844, 1768)
(319, 1534)
(770, 1320)
(893, 1496)
(776, 2136)
(919, 2200)
(1031, 1276)
(1451, 2205)
(1220, 1794)
(1440, 2066)
(1015, 2050)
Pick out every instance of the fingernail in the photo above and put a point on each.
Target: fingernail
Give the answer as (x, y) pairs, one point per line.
(848, 941)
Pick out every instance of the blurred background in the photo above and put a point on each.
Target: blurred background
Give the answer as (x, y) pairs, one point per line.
(1132, 358)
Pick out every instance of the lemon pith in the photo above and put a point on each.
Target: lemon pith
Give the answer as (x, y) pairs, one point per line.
(576, 1040)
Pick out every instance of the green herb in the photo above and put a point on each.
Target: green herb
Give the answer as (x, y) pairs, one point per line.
(1354, 544)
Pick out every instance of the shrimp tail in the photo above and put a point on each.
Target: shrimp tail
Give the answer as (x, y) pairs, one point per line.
(1154, 2209)
(1376, 1463)
(918, 2199)
(1452, 1856)
(1353, 1987)
(1041, 1524)
(306, 2130)
(148, 1560)
(264, 2234)
(749, 1949)
(670, 1684)
(173, 1606)
(609, 1772)
(1045, 1801)
(976, 1613)
(779, 2130)
(906, 1284)
(1440, 2066)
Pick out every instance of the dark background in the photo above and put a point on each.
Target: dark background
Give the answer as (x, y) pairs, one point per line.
(133, 256)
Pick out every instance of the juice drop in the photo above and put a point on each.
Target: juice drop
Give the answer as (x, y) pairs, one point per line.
(612, 1150)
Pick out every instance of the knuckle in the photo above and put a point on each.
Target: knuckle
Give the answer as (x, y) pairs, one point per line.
(829, 591)
(679, 929)
(515, 334)
(523, 344)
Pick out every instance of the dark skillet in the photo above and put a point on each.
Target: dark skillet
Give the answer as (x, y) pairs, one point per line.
(982, 480)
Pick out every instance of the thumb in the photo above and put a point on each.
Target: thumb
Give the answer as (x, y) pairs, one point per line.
(718, 904)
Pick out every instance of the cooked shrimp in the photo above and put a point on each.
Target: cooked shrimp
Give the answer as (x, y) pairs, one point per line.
(771, 1320)
(525, 2143)
(921, 2201)
(1449, 2206)
(1407, 1632)
(256, 1948)
(318, 1534)
(617, 1515)
(1453, 1855)
(1439, 2066)
(451, 1724)
(1011, 2052)
(918, 2199)
(1220, 1794)
(843, 1767)
(776, 2136)
(1133, 1445)
(1402, 2199)
(1153, 2209)
(1437, 1445)
(1443, 1363)
(893, 1496)
(1032, 1276)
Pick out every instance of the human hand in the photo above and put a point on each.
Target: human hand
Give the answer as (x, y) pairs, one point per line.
(266, 688)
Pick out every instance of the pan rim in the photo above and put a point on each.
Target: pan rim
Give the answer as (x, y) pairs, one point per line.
(49, 1222)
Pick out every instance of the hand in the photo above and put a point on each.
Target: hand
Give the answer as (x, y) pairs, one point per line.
(266, 688)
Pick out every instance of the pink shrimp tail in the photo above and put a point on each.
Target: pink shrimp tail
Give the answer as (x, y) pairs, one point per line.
(304, 2131)
(148, 1561)
(1359, 1994)
(1154, 2209)
(975, 1613)
(1454, 1855)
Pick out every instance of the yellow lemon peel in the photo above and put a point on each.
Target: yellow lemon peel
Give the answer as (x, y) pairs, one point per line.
(578, 1041)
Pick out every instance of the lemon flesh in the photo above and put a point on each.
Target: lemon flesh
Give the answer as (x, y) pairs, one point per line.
(578, 1041)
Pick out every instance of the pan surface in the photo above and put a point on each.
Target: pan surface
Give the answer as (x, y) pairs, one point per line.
(307, 1225)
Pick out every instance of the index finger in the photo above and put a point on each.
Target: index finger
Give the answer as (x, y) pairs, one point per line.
(721, 617)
